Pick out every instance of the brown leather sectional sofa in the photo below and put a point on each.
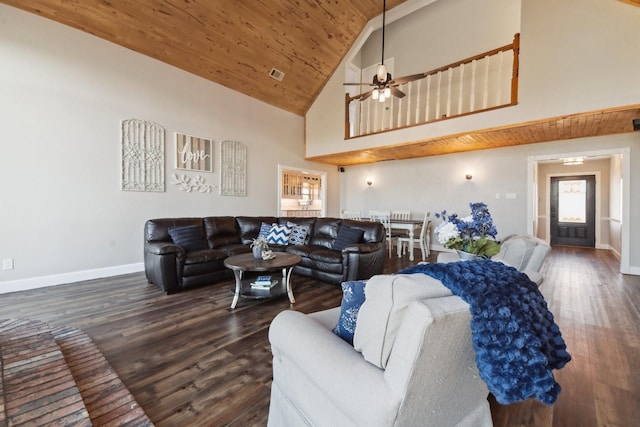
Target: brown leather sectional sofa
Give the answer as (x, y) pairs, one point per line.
(173, 268)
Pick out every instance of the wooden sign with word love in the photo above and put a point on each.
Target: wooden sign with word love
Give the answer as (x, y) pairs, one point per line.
(193, 153)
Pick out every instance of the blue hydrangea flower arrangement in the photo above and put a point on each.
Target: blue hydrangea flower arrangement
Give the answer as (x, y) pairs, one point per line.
(474, 234)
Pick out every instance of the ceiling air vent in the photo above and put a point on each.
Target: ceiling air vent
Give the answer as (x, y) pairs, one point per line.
(276, 74)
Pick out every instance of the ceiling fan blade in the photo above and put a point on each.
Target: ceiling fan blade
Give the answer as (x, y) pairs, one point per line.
(366, 95)
(357, 84)
(396, 92)
(406, 79)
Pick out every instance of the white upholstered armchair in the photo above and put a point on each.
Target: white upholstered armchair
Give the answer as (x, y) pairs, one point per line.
(524, 252)
(412, 363)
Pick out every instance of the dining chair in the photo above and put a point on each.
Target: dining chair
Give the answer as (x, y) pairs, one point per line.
(385, 218)
(400, 216)
(351, 215)
(424, 239)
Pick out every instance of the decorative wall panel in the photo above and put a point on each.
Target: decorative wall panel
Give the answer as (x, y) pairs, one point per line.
(233, 169)
(193, 153)
(190, 184)
(142, 156)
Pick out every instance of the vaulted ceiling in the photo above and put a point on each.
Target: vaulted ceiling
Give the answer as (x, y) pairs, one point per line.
(237, 43)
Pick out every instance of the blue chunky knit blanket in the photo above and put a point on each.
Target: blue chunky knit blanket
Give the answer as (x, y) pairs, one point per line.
(516, 340)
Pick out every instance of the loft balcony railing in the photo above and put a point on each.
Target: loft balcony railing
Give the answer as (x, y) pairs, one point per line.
(480, 83)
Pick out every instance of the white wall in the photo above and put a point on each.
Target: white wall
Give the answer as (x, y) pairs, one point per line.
(63, 94)
(438, 183)
(615, 204)
(439, 34)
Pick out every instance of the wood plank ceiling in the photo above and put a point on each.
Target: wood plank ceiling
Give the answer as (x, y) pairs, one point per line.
(236, 43)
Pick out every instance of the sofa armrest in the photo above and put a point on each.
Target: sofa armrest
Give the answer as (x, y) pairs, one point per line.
(306, 353)
(362, 248)
(164, 248)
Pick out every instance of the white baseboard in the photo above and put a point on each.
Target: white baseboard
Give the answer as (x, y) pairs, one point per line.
(74, 276)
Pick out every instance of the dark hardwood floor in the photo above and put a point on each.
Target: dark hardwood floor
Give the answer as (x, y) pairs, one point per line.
(189, 360)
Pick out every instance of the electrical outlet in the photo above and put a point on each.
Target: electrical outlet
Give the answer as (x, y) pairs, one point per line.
(7, 264)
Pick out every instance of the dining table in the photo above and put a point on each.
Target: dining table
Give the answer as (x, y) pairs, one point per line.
(411, 226)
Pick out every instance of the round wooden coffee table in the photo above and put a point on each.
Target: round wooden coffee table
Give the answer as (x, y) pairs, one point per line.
(246, 262)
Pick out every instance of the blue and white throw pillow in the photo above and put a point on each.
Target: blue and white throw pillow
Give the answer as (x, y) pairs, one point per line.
(352, 299)
(265, 229)
(299, 234)
(279, 234)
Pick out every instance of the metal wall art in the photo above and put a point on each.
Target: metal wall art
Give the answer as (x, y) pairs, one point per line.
(233, 169)
(189, 184)
(142, 156)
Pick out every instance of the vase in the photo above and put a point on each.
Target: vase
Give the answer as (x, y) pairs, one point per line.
(257, 252)
(466, 256)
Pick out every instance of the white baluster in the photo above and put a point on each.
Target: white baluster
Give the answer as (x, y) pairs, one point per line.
(409, 103)
(499, 91)
(460, 89)
(428, 107)
(472, 101)
(369, 115)
(400, 108)
(485, 91)
(450, 71)
(418, 101)
(375, 115)
(393, 101)
(438, 95)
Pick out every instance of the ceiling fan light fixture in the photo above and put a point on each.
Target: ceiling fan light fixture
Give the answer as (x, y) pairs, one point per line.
(375, 94)
(381, 97)
(387, 92)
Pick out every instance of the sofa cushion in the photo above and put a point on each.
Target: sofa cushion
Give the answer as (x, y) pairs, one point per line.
(279, 234)
(299, 234)
(352, 299)
(329, 256)
(325, 232)
(221, 231)
(346, 236)
(387, 298)
(189, 237)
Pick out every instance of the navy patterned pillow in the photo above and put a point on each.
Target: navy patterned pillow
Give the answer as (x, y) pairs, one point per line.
(299, 234)
(346, 236)
(352, 299)
(264, 230)
(279, 234)
(189, 237)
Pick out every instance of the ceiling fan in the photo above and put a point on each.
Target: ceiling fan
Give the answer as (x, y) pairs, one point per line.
(383, 84)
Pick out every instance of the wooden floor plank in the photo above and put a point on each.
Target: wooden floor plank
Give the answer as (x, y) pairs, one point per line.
(189, 360)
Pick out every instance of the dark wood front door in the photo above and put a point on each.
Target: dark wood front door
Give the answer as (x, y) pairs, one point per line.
(573, 210)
